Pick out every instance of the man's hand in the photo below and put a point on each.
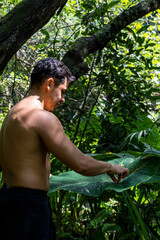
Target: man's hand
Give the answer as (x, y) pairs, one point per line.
(120, 171)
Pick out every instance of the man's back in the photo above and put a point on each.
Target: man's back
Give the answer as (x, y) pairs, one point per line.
(23, 156)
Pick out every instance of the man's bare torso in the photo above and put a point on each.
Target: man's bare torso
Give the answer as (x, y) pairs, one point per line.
(23, 156)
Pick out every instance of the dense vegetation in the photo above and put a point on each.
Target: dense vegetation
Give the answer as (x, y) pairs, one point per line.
(111, 112)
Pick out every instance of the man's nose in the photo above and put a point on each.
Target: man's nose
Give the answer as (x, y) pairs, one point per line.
(62, 99)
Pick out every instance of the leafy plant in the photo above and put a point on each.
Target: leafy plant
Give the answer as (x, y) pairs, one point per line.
(143, 169)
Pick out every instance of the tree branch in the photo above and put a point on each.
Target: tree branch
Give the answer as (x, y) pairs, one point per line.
(83, 46)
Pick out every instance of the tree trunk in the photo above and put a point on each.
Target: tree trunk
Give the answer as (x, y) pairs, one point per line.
(22, 22)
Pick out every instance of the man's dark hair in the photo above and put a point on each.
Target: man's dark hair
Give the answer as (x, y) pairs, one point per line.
(50, 67)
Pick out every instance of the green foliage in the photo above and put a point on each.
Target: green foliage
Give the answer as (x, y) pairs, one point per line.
(7, 5)
(113, 108)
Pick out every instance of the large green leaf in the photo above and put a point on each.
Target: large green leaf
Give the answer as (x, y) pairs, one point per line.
(144, 169)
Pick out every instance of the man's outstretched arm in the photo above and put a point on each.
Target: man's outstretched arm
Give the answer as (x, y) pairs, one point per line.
(51, 131)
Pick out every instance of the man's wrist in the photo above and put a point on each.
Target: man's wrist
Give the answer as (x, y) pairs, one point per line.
(109, 168)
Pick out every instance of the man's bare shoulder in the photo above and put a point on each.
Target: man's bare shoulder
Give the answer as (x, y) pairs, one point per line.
(43, 116)
(44, 120)
(50, 130)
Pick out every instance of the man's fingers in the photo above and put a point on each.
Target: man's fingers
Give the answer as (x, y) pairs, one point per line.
(120, 172)
(114, 178)
(125, 174)
(119, 178)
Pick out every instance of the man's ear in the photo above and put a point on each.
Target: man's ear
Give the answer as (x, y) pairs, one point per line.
(50, 83)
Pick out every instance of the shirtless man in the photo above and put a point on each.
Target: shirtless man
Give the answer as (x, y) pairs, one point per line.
(28, 134)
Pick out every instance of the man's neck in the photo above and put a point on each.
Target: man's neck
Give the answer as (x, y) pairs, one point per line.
(35, 96)
(34, 91)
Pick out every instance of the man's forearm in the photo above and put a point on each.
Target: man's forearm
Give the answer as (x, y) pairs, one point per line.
(92, 167)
